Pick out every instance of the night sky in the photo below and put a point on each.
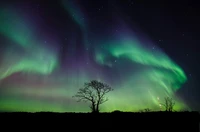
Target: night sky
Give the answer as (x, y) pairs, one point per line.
(145, 51)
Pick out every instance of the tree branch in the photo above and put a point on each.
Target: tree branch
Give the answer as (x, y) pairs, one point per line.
(94, 92)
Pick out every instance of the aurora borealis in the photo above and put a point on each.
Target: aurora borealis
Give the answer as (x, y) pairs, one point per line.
(46, 57)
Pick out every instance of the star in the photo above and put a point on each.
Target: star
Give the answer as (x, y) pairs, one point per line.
(115, 61)
(153, 48)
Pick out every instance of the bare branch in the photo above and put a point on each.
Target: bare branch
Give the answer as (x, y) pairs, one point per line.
(93, 91)
(169, 104)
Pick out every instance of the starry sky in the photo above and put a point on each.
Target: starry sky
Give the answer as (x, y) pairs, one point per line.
(145, 51)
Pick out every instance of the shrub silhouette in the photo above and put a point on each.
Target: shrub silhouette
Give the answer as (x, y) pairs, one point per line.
(116, 111)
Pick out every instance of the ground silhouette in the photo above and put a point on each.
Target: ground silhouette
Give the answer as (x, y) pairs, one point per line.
(116, 120)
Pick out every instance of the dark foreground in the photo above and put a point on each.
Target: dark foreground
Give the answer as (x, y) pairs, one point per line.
(116, 121)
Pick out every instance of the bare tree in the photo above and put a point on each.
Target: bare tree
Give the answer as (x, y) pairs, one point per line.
(147, 110)
(168, 104)
(94, 92)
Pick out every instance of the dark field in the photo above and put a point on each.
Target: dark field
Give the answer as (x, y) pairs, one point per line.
(123, 121)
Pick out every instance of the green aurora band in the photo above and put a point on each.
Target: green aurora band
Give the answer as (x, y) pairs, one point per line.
(161, 79)
(17, 29)
(152, 75)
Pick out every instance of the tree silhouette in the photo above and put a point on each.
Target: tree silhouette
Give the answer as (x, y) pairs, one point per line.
(147, 110)
(93, 92)
(168, 104)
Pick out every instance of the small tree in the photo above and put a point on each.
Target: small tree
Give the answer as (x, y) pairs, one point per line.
(94, 92)
(147, 110)
(168, 104)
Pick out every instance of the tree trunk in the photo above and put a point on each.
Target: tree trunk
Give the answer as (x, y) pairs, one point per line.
(97, 107)
(93, 107)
